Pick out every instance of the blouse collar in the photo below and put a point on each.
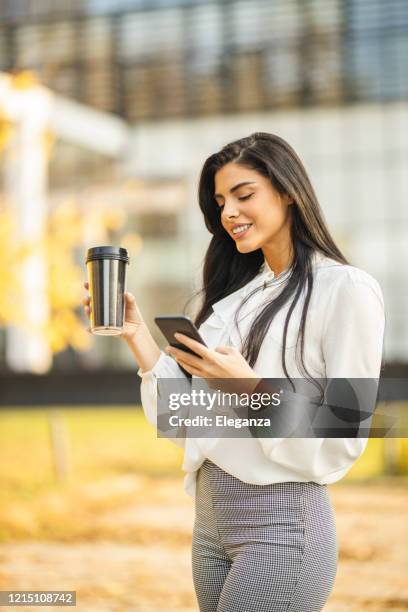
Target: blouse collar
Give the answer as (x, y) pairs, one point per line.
(227, 304)
(266, 270)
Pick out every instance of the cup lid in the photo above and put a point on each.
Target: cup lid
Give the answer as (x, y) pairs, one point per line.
(107, 252)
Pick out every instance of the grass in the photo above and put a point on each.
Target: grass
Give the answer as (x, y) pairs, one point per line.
(101, 443)
(116, 450)
(102, 446)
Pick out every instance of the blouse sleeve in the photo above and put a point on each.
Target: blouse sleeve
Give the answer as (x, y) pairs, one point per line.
(352, 347)
(165, 367)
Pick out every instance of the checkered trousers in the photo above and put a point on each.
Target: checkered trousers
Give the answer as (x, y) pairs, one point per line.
(262, 548)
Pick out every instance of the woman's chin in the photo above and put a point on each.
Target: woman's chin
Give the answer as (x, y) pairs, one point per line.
(244, 246)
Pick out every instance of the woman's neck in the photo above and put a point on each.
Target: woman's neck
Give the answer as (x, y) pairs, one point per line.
(278, 259)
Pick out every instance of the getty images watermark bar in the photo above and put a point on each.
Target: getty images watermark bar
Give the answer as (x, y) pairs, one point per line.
(282, 408)
(38, 598)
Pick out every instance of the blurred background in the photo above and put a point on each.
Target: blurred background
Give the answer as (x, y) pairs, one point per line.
(108, 109)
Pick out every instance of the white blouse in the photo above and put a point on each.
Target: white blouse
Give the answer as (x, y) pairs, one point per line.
(343, 339)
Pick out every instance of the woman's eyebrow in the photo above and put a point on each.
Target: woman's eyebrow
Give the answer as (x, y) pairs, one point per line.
(219, 195)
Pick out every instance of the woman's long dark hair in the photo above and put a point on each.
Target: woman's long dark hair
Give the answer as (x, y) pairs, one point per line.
(226, 269)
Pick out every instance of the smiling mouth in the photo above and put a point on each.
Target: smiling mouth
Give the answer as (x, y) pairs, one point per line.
(242, 229)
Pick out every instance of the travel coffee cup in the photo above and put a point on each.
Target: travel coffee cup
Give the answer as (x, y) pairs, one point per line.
(106, 267)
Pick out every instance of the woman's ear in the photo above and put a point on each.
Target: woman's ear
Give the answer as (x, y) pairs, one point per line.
(287, 199)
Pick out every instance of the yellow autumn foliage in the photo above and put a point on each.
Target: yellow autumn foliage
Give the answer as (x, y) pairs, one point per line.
(24, 79)
(65, 277)
(6, 131)
(63, 249)
(12, 256)
(66, 270)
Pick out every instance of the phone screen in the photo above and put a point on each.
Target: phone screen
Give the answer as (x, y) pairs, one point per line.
(170, 324)
(178, 323)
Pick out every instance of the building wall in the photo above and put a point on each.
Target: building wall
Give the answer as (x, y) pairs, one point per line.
(356, 157)
(209, 57)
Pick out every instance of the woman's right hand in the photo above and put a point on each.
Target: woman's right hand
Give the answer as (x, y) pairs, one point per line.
(133, 319)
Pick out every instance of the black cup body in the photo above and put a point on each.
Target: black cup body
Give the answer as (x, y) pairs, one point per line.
(107, 267)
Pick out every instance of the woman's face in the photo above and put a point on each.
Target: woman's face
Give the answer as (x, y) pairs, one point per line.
(246, 197)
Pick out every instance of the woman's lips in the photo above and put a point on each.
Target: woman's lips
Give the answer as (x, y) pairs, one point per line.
(239, 235)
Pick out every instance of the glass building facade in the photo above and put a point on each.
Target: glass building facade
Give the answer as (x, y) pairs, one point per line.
(162, 59)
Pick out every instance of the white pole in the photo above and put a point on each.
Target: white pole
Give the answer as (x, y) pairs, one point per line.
(34, 109)
(26, 185)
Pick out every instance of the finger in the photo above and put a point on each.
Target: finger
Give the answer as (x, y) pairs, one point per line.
(195, 346)
(86, 301)
(225, 350)
(129, 296)
(86, 285)
(189, 368)
(187, 357)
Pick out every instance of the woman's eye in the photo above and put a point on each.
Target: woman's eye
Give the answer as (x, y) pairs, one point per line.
(221, 206)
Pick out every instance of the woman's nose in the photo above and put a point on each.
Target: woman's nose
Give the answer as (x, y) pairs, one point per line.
(230, 210)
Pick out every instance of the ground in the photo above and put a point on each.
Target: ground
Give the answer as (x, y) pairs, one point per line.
(135, 555)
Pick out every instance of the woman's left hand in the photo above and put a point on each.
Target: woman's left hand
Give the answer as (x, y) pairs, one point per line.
(221, 362)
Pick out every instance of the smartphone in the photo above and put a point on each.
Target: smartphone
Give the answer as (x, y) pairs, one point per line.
(170, 324)
(178, 323)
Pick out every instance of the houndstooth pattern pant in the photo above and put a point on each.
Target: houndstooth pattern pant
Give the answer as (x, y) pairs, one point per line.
(262, 548)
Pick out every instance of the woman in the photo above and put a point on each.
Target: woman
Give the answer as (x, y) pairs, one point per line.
(279, 300)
